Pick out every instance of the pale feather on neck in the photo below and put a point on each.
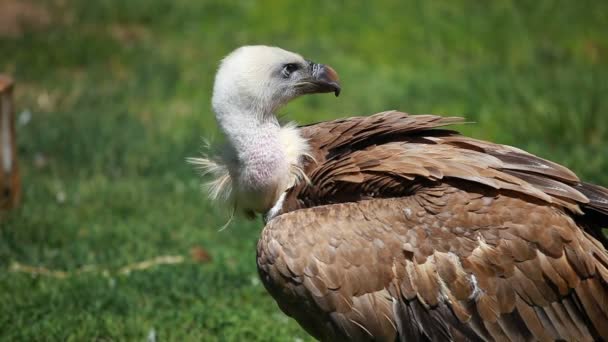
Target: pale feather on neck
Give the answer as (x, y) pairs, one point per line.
(252, 178)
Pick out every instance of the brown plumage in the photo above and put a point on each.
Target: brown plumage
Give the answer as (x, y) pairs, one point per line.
(408, 231)
(391, 227)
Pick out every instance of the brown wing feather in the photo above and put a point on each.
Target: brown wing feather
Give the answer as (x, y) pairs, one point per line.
(334, 137)
(440, 264)
(391, 154)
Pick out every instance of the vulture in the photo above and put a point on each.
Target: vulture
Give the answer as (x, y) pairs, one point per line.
(391, 227)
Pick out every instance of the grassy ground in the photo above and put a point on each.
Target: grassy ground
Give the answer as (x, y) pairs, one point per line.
(117, 96)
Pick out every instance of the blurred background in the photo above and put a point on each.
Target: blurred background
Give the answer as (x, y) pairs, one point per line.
(114, 239)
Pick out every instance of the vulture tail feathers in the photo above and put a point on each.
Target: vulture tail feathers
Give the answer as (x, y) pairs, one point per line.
(596, 211)
(598, 197)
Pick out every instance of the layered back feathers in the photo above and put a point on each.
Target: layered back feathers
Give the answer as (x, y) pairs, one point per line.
(389, 154)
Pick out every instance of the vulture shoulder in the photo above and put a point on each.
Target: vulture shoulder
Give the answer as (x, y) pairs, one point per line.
(408, 231)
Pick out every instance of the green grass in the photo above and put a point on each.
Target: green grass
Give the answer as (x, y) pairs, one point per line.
(119, 95)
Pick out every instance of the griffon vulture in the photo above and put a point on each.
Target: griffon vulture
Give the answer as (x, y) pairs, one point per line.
(390, 227)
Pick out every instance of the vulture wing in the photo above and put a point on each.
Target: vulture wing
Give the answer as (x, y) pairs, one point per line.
(392, 154)
(442, 264)
(410, 232)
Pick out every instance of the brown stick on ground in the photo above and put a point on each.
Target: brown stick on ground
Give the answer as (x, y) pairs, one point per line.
(10, 185)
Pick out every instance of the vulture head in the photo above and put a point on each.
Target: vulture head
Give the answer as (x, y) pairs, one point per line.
(261, 158)
(260, 79)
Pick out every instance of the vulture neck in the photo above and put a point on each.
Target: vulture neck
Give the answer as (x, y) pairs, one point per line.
(260, 167)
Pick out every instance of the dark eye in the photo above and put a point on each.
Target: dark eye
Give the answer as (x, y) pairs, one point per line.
(289, 68)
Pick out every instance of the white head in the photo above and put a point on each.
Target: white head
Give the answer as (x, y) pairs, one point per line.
(260, 79)
(261, 159)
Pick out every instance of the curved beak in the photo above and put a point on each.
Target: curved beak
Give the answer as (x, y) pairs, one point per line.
(323, 79)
